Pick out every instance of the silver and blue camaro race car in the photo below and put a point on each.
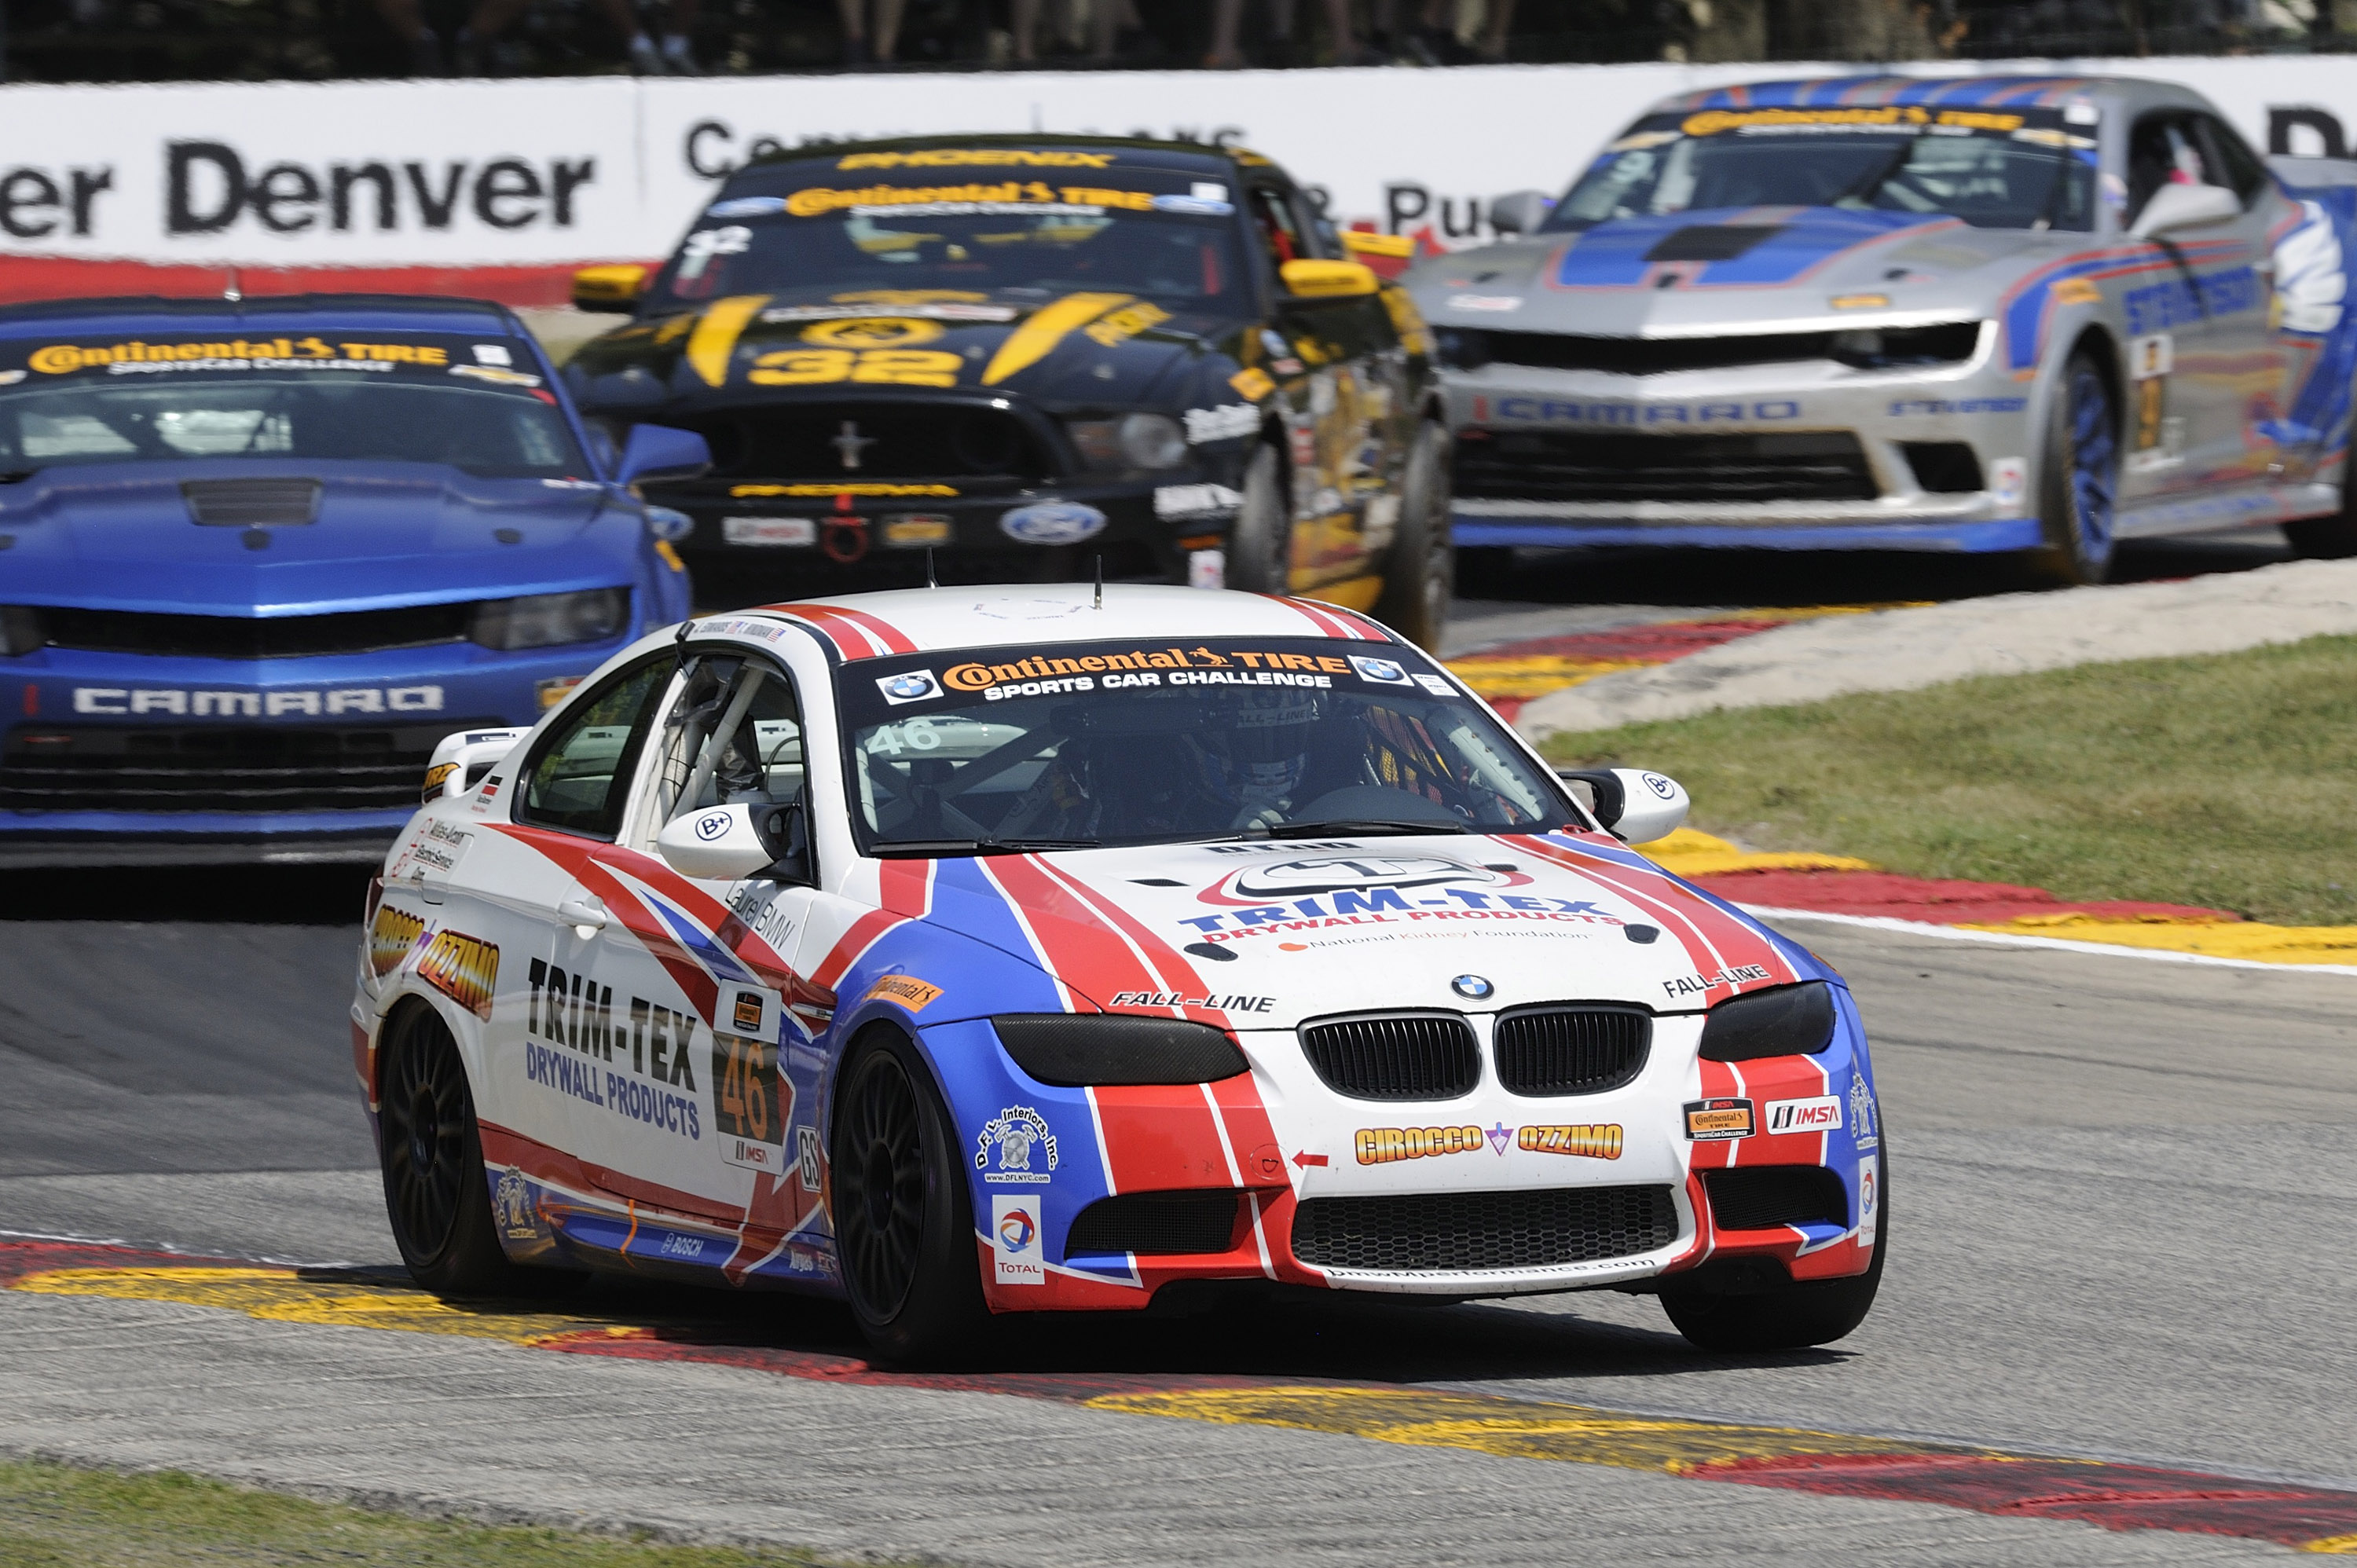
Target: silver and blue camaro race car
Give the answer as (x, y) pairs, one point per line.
(2033, 315)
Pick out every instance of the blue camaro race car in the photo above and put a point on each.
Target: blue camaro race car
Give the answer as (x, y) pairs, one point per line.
(258, 556)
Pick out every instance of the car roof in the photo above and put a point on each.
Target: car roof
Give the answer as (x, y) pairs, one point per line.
(1879, 92)
(1033, 616)
(267, 313)
(1189, 157)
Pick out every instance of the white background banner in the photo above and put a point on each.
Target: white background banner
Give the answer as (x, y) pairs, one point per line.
(554, 172)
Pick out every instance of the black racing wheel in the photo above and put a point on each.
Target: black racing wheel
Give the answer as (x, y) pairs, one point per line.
(435, 1191)
(1260, 545)
(1420, 578)
(903, 1223)
(2079, 477)
(1790, 1316)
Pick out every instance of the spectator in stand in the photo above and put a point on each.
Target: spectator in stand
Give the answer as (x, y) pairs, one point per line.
(493, 17)
(862, 45)
(1103, 21)
(1227, 13)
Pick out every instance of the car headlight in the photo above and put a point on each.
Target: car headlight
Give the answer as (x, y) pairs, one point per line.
(1075, 1049)
(550, 620)
(1133, 441)
(1893, 347)
(1463, 348)
(1790, 1021)
(21, 630)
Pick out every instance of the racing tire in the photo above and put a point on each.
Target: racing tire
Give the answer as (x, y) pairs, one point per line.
(903, 1221)
(2078, 479)
(1420, 578)
(1790, 1316)
(1260, 545)
(436, 1192)
(2330, 538)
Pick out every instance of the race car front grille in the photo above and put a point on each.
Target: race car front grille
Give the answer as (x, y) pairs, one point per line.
(1627, 466)
(240, 768)
(1167, 1223)
(1760, 1198)
(253, 637)
(1395, 1056)
(856, 442)
(1654, 355)
(1943, 343)
(1437, 1232)
(1571, 1050)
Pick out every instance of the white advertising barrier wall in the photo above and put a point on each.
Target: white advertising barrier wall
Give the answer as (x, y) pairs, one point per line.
(541, 175)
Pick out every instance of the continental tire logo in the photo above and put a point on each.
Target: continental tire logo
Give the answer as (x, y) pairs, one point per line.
(1382, 1146)
(465, 969)
(390, 938)
(1595, 1140)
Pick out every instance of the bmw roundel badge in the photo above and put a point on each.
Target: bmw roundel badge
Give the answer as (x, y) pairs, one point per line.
(1471, 987)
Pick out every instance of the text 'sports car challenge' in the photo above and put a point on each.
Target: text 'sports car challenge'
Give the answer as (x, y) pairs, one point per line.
(993, 950)
(2000, 314)
(257, 557)
(1024, 354)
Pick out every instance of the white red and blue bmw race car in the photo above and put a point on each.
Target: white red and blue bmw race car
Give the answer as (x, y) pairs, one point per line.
(2038, 315)
(1018, 950)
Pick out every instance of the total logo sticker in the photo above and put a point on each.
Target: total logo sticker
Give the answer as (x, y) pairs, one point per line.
(1015, 1242)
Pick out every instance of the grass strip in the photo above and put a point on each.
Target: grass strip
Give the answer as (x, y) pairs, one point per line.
(61, 1516)
(2227, 781)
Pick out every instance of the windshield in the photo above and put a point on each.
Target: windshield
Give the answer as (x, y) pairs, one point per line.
(2015, 170)
(1118, 743)
(475, 403)
(973, 221)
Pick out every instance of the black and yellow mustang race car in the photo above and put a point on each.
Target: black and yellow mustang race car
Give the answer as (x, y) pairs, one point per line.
(1028, 355)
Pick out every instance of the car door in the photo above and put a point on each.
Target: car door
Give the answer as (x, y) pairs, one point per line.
(2199, 342)
(735, 736)
(1343, 373)
(534, 892)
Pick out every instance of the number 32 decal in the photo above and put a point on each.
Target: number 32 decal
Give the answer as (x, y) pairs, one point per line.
(894, 367)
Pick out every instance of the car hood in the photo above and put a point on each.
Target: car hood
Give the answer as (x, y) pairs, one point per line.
(1267, 935)
(1784, 263)
(124, 536)
(1108, 348)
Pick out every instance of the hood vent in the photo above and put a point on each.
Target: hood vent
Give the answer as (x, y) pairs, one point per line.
(251, 503)
(1711, 241)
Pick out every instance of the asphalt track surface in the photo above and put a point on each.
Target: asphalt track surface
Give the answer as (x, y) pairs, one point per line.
(2121, 1190)
(2121, 1199)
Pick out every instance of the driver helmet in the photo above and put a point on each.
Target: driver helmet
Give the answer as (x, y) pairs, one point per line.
(1256, 748)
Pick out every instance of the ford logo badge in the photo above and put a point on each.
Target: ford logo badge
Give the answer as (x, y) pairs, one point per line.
(1471, 987)
(1052, 523)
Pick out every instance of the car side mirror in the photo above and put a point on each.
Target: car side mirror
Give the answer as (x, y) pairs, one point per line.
(731, 843)
(1329, 280)
(612, 288)
(461, 760)
(1634, 805)
(659, 452)
(1520, 213)
(2174, 207)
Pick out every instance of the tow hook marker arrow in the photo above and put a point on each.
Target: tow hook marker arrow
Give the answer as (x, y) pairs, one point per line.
(1308, 1159)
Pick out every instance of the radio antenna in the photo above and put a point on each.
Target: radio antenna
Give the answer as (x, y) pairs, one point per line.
(1100, 582)
(232, 291)
(930, 581)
